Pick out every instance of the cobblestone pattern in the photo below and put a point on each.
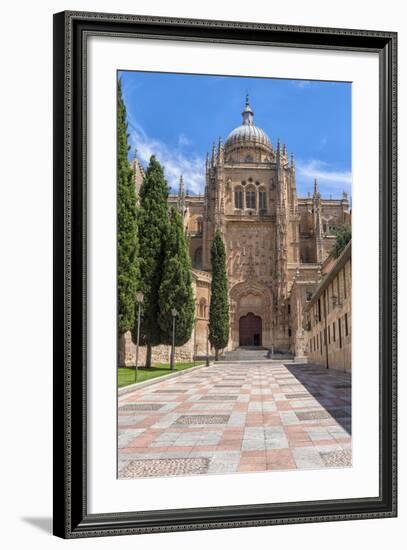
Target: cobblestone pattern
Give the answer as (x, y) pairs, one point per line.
(277, 418)
(202, 419)
(164, 467)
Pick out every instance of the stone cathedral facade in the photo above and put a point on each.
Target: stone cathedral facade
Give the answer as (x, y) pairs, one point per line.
(276, 242)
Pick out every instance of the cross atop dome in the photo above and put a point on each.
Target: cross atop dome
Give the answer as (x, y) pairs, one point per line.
(247, 113)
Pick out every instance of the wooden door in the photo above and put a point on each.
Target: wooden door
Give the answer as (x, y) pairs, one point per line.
(250, 328)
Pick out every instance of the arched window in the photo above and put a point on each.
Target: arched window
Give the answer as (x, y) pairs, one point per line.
(262, 199)
(197, 259)
(199, 225)
(202, 307)
(238, 197)
(251, 197)
(248, 158)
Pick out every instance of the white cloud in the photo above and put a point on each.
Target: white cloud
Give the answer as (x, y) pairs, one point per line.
(174, 160)
(130, 86)
(330, 181)
(183, 140)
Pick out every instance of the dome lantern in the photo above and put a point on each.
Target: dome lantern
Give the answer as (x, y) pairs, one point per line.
(247, 113)
(247, 134)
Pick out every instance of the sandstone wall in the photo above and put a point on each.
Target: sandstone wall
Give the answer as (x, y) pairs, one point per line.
(160, 354)
(329, 338)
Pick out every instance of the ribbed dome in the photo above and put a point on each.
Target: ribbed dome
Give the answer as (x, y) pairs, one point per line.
(248, 132)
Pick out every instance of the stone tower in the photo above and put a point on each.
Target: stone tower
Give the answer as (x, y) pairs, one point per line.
(276, 242)
(250, 195)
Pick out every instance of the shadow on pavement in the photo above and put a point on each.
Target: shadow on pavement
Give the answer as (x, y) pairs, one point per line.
(331, 388)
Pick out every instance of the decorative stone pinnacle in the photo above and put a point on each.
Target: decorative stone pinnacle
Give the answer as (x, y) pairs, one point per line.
(181, 190)
(316, 191)
(220, 151)
(181, 196)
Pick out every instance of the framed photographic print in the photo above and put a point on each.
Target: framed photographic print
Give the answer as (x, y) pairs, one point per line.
(224, 274)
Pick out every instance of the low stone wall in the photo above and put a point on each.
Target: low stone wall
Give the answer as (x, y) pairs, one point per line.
(160, 354)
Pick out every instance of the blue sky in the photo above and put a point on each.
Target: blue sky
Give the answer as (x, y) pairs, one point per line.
(178, 116)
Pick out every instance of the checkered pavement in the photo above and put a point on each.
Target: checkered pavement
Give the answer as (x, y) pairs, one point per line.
(236, 417)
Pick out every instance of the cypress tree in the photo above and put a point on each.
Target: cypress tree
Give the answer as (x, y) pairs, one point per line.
(127, 241)
(152, 223)
(176, 290)
(219, 307)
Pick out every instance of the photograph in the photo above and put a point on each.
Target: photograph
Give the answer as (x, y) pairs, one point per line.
(234, 274)
(200, 275)
(225, 274)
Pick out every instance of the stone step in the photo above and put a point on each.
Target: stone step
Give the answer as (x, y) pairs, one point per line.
(255, 354)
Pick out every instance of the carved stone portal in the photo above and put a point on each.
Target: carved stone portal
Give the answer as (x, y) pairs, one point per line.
(249, 300)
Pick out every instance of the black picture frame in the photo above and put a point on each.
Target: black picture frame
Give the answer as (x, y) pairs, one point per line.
(71, 518)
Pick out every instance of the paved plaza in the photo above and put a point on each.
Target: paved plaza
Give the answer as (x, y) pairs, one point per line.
(236, 417)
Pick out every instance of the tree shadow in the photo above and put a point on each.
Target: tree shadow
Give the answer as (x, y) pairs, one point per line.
(331, 388)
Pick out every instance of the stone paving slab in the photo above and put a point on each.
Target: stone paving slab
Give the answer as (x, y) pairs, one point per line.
(237, 417)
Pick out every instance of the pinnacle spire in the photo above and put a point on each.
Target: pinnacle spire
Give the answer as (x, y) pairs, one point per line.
(316, 191)
(278, 154)
(220, 151)
(181, 189)
(213, 158)
(247, 113)
(278, 147)
(181, 196)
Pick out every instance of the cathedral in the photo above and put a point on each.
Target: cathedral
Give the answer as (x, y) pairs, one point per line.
(276, 242)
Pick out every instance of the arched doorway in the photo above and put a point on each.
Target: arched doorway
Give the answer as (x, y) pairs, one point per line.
(250, 329)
